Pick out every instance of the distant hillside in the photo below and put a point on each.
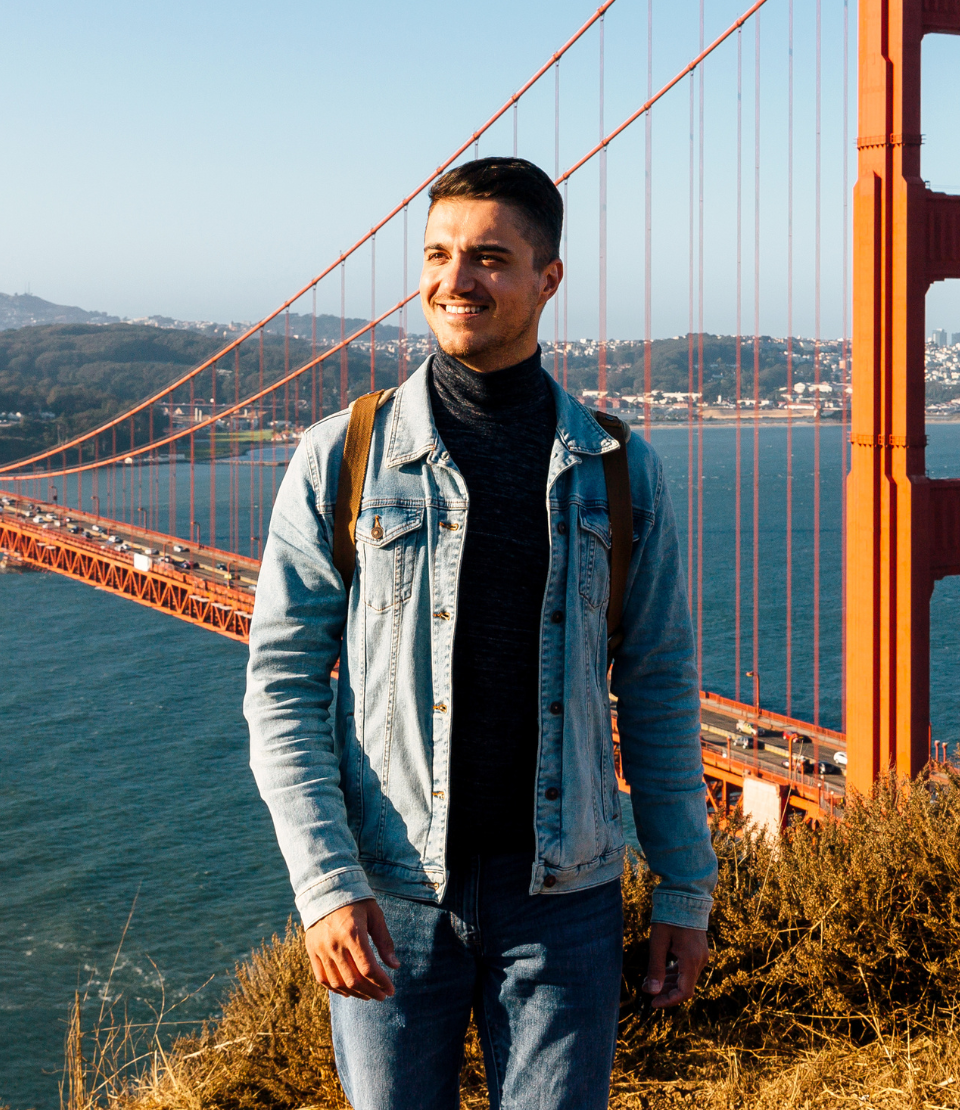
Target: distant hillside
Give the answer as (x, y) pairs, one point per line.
(60, 380)
(20, 310)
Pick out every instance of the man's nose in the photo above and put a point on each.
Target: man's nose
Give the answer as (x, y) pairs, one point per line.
(458, 276)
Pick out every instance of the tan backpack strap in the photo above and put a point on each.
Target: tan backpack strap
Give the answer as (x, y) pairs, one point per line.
(616, 473)
(353, 471)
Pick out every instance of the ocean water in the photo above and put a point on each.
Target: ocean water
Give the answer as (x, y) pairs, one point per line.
(123, 757)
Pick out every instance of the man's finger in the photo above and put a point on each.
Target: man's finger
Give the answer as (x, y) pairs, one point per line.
(354, 983)
(657, 963)
(329, 976)
(380, 935)
(362, 956)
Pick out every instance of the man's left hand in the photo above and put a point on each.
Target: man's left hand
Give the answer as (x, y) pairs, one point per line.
(689, 949)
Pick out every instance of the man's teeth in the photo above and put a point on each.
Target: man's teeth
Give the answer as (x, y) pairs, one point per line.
(462, 309)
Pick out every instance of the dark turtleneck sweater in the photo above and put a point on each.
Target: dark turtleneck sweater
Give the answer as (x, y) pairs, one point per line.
(499, 429)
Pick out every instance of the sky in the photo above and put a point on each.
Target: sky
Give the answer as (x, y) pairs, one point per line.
(205, 160)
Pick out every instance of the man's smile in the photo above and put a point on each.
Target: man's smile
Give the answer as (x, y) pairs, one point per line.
(463, 309)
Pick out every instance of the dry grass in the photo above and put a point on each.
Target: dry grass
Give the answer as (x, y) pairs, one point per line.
(835, 982)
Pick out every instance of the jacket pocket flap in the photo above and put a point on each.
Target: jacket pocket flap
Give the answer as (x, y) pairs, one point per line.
(597, 522)
(382, 524)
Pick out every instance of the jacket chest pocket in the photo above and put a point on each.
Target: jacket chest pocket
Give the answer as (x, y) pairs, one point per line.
(387, 550)
(594, 553)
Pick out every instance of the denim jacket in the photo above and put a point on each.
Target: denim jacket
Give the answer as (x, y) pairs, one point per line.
(358, 783)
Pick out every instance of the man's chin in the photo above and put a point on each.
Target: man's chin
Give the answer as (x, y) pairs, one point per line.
(464, 347)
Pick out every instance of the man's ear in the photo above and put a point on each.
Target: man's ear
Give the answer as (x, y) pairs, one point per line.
(551, 277)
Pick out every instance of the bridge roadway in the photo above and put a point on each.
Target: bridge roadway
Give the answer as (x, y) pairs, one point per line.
(771, 758)
(215, 589)
(199, 584)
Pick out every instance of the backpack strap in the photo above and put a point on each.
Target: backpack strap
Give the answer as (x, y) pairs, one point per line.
(616, 474)
(353, 471)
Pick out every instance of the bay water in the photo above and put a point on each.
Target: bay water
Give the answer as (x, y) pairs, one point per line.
(126, 795)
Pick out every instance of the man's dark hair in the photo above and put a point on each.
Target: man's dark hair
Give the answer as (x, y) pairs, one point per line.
(517, 182)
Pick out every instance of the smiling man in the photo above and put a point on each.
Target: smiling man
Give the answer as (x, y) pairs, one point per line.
(457, 813)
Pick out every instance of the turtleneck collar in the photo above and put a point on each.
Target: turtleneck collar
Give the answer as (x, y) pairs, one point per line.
(495, 393)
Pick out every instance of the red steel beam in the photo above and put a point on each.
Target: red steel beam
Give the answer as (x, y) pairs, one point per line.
(186, 596)
(903, 529)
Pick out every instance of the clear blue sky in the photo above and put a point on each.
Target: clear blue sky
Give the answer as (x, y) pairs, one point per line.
(203, 160)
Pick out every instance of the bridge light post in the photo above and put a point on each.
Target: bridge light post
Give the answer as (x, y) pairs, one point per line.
(755, 675)
(96, 499)
(195, 524)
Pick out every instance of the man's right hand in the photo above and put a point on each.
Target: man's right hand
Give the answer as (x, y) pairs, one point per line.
(341, 955)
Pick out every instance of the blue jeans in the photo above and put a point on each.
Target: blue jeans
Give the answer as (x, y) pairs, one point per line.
(541, 974)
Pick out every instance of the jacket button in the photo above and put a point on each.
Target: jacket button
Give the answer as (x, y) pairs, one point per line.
(556, 707)
(557, 616)
(562, 527)
(551, 793)
(549, 880)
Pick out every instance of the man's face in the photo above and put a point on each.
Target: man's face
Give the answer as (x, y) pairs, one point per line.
(481, 293)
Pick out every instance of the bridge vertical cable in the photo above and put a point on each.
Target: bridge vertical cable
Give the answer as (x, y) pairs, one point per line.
(192, 417)
(788, 554)
(262, 411)
(816, 378)
(700, 234)
(566, 284)
(212, 541)
(344, 398)
(602, 344)
(235, 459)
(691, 519)
(756, 360)
(738, 497)
(648, 234)
(286, 369)
(556, 174)
(373, 314)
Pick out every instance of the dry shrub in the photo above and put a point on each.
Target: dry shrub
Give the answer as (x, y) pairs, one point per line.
(855, 922)
(271, 1047)
(834, 981)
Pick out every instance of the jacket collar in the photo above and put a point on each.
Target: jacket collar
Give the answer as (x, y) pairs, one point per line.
(413, 433)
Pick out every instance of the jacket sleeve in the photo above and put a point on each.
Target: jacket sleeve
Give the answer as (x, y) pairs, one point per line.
(656, 685)
(295, 635)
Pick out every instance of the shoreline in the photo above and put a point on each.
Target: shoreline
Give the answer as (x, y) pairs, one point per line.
(770, 419)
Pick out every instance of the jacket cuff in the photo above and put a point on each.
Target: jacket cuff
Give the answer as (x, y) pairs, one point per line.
(680, 909)
(332, 892)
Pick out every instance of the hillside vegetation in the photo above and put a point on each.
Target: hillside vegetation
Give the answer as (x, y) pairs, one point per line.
(835, 982)
(66, 379)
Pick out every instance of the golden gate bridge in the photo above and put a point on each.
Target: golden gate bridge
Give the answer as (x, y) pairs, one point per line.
(119, 506)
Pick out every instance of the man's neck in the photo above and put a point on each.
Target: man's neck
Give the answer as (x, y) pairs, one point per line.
(488, 362)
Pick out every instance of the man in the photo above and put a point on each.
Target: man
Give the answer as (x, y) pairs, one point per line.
(457, 812)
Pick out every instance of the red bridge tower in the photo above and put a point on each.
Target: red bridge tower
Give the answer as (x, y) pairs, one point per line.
(903, 530)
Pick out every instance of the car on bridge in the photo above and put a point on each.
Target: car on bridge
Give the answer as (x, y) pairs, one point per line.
(751, 728)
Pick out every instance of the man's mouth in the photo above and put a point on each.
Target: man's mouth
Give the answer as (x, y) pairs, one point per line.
(463, 309)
